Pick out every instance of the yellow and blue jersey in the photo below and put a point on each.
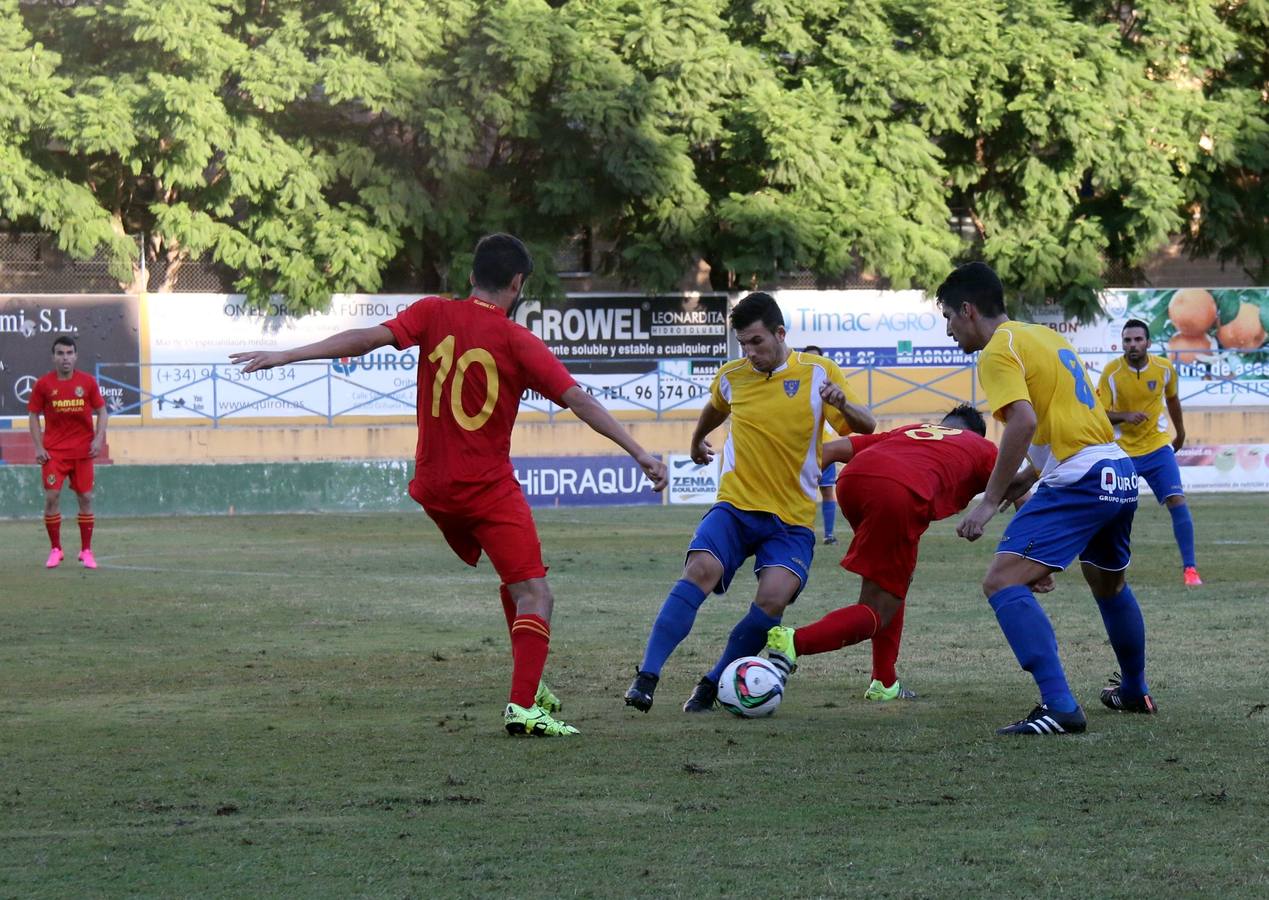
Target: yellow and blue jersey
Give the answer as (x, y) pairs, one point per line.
(1036, 364)
(1125, 389)
(771, 461)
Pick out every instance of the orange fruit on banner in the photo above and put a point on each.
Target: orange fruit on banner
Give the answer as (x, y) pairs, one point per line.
(1192, 311)
(1245, 331)
(1192, 345)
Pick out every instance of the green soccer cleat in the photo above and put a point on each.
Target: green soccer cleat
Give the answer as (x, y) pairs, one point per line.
(546, 699)
(780, 650)
(879, 693)
(534, 722)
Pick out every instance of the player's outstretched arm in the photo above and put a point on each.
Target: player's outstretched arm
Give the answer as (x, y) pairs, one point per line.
(838, 451)
(37, 438)
(353, 342)
(1020, 425)
(597, 416)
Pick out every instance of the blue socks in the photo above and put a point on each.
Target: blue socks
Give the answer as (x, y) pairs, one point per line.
(1127, 633)
(673, 622)
(1183, 528)
(829, 508)
(1030, 635)
(746, 639)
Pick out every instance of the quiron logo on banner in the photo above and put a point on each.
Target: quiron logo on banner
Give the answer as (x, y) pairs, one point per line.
(105, 327)
(192, 333)
(692, 483)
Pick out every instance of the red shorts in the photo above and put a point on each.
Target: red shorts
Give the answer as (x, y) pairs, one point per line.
(54, 472)
(502, 527)
(889, 520)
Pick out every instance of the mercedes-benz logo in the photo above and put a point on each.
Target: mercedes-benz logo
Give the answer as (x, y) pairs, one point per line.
(23, 387)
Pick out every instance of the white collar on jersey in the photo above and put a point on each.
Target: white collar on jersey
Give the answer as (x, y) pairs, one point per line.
(780, 368)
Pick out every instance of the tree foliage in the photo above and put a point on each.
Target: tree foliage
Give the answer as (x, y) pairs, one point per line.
(312, 145)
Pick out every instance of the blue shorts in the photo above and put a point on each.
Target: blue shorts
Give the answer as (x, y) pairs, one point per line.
(1091, 518)
(733, 535)
(828, 478)
(1161, 472)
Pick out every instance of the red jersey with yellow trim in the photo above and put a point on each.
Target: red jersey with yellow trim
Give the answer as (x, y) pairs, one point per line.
(946, 466)
(474, 365)
(68, 413)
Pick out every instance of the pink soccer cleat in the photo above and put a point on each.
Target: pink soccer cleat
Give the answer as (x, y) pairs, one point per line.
(54, 558)
(1191, 577)
(86, 557)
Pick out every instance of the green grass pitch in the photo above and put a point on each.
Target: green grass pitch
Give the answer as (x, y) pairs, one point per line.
(311, 706)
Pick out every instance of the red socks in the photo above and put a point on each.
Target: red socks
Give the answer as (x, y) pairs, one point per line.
(885, 649)
(86, 531)
(840, 628)
(53, 525)
(530, 643)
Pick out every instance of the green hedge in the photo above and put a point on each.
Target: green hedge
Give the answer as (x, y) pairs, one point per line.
(366, 486)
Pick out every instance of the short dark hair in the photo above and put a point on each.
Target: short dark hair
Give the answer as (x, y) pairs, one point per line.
(1136, 323)
(811, 348)
(974, 283)
(757, 307)
(970, 417)
(498, 259)
(65, 340)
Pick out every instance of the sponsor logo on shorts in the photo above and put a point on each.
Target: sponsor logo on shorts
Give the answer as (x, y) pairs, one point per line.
(798, 561)
(1118, 488)
(791, 386)
(1113, 481)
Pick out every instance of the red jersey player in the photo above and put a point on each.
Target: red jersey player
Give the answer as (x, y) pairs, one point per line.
(475, 363)
(68, 400)
(895, 484)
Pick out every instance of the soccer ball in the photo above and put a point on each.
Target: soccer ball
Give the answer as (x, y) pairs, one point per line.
(750, 687)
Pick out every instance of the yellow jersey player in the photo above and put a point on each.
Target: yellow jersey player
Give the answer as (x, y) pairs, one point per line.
(778, 401)
(1135, 389)
(1087, 495)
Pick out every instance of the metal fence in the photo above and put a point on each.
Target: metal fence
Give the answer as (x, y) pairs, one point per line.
(33, 264)
(220, 393)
